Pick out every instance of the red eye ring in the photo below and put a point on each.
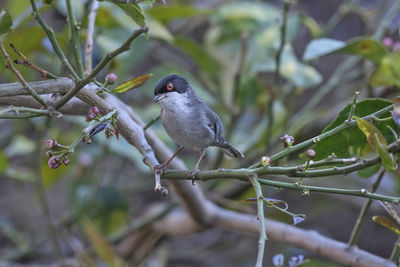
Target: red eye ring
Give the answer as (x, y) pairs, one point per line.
(170, 86)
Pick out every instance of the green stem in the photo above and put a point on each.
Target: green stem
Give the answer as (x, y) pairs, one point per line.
(22, 113)
(74, 38)
(260, 216)
(363, 213)
(396, 251)
(312, 141)
(353, 107)
(151, 122)
(80, 84)
(56, 47)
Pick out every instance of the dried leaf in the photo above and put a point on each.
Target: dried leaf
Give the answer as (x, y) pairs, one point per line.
(133, 83)
(386, 222)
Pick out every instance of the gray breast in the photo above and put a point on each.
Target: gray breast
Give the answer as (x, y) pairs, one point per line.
(185, 122)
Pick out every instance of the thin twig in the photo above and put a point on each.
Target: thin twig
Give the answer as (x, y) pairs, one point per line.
(27, 63)
(74, 37)
(56, 47)
(79, 85)
(363, 213)
(353, 106)
(261, 219)
(151, 122)
(19, 76)
(94, 5)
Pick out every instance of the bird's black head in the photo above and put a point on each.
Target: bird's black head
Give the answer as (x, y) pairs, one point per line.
(171, 83)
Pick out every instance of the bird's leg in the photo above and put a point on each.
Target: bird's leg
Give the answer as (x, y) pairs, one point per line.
(195, 169)
(161, 168)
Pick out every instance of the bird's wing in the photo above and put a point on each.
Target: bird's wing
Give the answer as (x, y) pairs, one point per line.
(214, 122)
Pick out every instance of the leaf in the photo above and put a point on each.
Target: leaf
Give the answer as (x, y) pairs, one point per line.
(388, 72)
(352, 142)
(5, 22)
(133, 83)
(132, 10)
(362, 46)
(102, 247)
(366, 47)
(3, 162)
(388, 161)
(165, 14)
(371, 132)
(47, 2)
(389, 209)
(369, 171)
(386, 222)
(322, 47)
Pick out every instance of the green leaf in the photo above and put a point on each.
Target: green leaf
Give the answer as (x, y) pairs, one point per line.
(102, 247)
(322, 47)
(47, 2)
(369, 171)
(388, 71)
(165, 14)
(388, 161)
(371, 132)
(3, 162)
(362, 46)
(386, 222)
(5, 22)
(133, 83)
(132, 10)
(352, 142)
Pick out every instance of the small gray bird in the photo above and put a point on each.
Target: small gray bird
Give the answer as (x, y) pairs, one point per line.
(189, 121)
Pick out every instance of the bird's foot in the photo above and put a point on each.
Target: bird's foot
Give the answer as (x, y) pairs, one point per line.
(159, 169)
(192, 174)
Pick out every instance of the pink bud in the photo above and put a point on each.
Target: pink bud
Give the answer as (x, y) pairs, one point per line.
(311, 153)
(66, 161)
(287, 140)
(54, 162)
(92, 113)
(111, 78)
(387, 41)
(49, 143)
(49, 153)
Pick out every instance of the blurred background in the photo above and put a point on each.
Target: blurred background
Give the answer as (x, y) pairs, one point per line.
(227, 50)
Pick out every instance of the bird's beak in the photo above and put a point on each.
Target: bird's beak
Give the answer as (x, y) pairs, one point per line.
(159, 97)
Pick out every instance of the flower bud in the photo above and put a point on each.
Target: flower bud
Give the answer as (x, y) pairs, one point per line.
(287, 140)
(111, 78)
(265, 161)
(387, 41)
(311, 153)
(66, 161)
(49, 143)
(92, 113)
(49, 153)
(54, 162)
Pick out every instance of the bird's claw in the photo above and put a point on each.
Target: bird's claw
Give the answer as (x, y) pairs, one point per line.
(192, 174)
(159, 169)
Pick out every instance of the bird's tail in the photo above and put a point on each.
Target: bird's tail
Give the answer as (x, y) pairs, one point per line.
(231, 151)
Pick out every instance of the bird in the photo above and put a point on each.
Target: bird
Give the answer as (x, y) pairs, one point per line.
(189, 121)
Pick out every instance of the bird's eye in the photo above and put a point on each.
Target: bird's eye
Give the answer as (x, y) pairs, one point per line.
(170, 86)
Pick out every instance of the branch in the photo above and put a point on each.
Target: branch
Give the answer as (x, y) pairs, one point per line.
(60, 85)
(89, 37)
(19, 76)
(80, 84)
(178, 223)
(27, 63)
(261, 219)
(74, 38)
(56, 47)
